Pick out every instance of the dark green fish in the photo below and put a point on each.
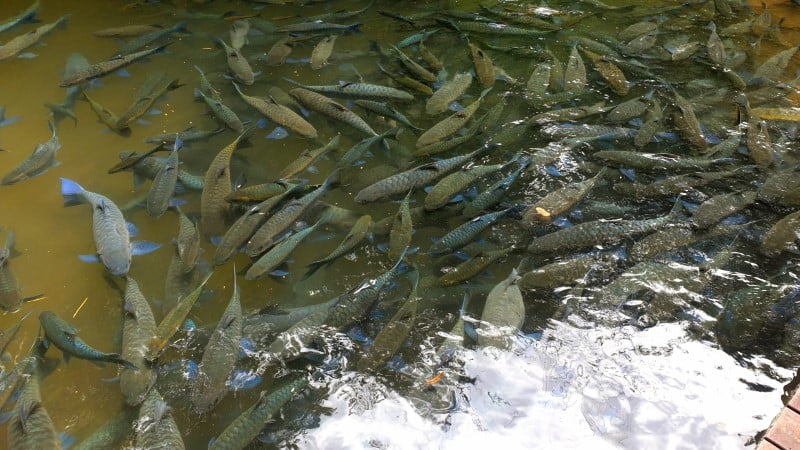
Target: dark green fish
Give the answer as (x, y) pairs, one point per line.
(465, 233)
(30, 426)
(219, 357)
(65, 337)
(104, 68)
(214, 209)
(138, 329)
(163, 187)
(190, 134)
(144, 40)
(350, 241)
(156, 428)
(245, 428)
(42, 158)
(503, 313)
(10, 296)
(353, 90)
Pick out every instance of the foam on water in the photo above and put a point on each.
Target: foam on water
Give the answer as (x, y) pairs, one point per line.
(575, 388)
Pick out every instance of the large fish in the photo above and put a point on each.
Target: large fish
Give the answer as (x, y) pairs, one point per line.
(42, 158)
(465, 233)
(30, 426)
(265, 237)
(350, 241)
(503, 313)
(65, 337)
(237, 63)
(352, 90)
(105, 67)
(138, 329)
(279, 114)
(449, 92)
(219, 357)
(245, 428)
(451, 124)
(416, 177)
(156, 428)
(28, 15)
(136, 44)
(325, 106)
(473, 266)
(322, 51)
(560, 201)
(23, 41)
(173, 320)
(238, 33)
(151, 90)
(224, 113)
(126, 31)
(307, 158)
(275, 256)
(163, 187)
(111, 235)
(214, 210)
(452, 184)
(402, 228)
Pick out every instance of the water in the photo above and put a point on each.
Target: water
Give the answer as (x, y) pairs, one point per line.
(567, 383)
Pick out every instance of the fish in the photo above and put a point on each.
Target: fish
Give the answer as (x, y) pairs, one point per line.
(451, 124)
(715, 47)
(325, 106)
(237, 63)
(151, 90)
(359, 148)
(560, 201)
(341, 14)
(138, 329)
(413, 67)
(627, 110)
(190, 134)
(652, 123)
(111, 236)
(163, 187)
(214, 210)
(219, 357)
(238, 33)
(106, 116)
(172, 322)
(493, 28)
(721, 206)
(39, 161)
(466, 232)
(503, 313)
(280, 114)
(245, 428)
(452, 184)
(75, 62)
(782, 235)
(105, 67)
(473, 266)
(539, 81)
(307, 158)
(407, 81)
(279, 222)
(651, 161)
(613, 75)
(787, 114)
(19, 43)
(430, 59)
(10, 296)
(322, 51)
(639, 44)
(448, 144)
(276, 255)
(156, 428)
(415, 177)
(319, 26)
(484, 68)
(126, 31)
(144, 166)
(677, 237)
(449, 92)
(28, 15)
(279, 51)
(562, 273)
(8, 335)
(773, 68)
(575, 72)
(260, 192)
(675, 184)
(206, 87)
(65, 337)
(143, 40)
(416, 38)
(352, 90)
(601, 232)
(402, 229)
(387, 111)
(687, 123)
(354, 237)
(494, 193)
(223, 113)
(188, 242)
(394, 334)
(637, 29)
(112, 432)
(30, 426)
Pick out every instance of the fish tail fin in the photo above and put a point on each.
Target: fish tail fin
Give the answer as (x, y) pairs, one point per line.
(400, 259)
(62, 22)
(677, 210)
(313, 267)
(354, 28)
(124, 363)
(182, 26)
(162, 48)
(72, 192)
(333, 178)
(10, 239)
(228, 14)
(515, 211)
(293, 82)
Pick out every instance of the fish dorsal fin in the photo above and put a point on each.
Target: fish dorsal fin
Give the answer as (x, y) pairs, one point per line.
(344, 84)
(26, 408)
(130, 309)
(338, 106)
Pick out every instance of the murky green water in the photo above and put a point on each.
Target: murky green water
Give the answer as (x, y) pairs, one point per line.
(80, 396)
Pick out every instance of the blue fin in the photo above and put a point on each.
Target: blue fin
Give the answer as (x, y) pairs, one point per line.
(357, 334)
(246, 347)
(132, 230)
(9, 120)
(95, 83)
(227, 77)
(110, 380)
(143, 122)
(551, 170)
(313, 169)
(279, 273)
(383, 247)
(66, 440)
(188, 325)
(262, 123)
(91, 259)
(562, 222)
(689, 205)
(191, 370)
(243, 380)
(278, 133)
(637, 122)
(455, 106)
(396, 363)
(305, 112)
(462, 255)
(27, 55)
(72, 192)
(628, 173)
(469, 330)
(360, 162)
(427, 189)
(5, 416)
(735, 220)
(123, 73)
(457, 198)
(215, 240)
(471, 193)
(174, 202)
(140, 248)
(576, 214)
(412, 250)
(213, 439)
(154, 112)
(349, 104)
